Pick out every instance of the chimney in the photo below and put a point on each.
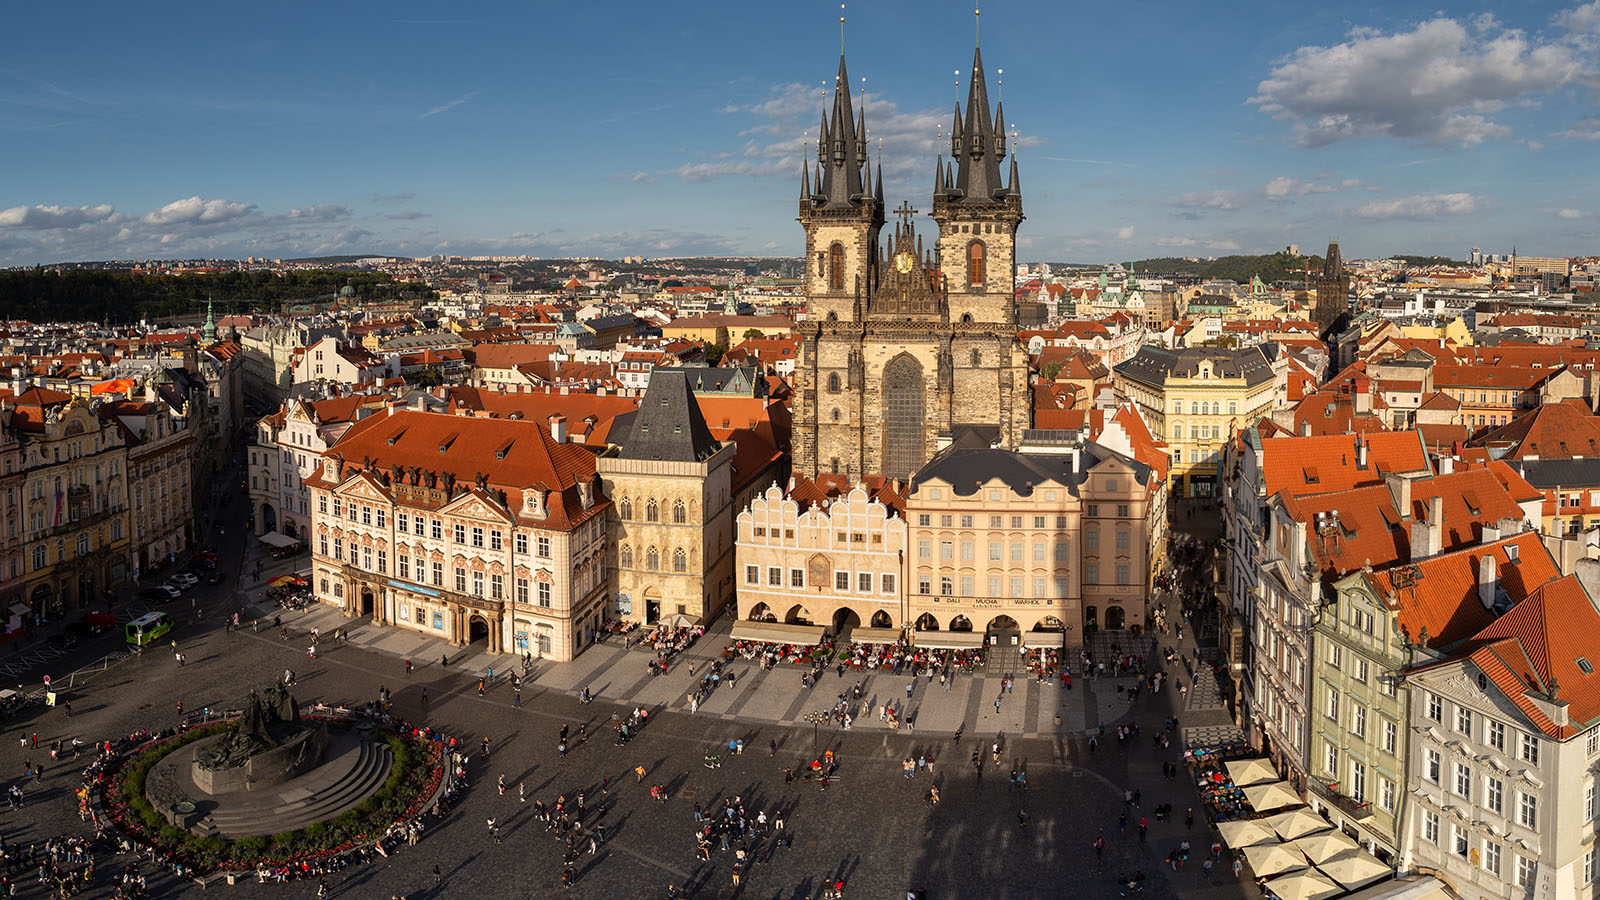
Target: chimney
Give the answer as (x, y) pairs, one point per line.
(1488, 580)
(1427, 537)
(18, 383)
(1400, 491)
(558, 428)
(1361, 454)
(1363, 397)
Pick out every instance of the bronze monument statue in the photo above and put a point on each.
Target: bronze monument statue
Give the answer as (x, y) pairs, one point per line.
(262, 726)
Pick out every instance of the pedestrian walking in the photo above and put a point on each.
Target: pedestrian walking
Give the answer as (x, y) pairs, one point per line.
(638, 772)
(408, 667)
(437, 877)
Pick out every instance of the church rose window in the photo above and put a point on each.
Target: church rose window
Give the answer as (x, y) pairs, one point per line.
(903, 395)
(836, 267)
(975, 259)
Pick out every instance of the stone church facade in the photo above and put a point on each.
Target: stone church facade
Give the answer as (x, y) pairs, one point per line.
(904, 345)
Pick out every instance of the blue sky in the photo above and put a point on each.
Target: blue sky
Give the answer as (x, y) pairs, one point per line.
(1148, 129)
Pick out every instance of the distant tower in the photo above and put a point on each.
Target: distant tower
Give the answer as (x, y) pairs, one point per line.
(1333, 289)
(210, 331)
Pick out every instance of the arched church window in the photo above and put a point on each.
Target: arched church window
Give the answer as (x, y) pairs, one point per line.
(680, 562)
(833, 382)
(975, 261)
(625, 509)
(652, 560)
(651, 512)
(836, 267)
(678, 516)
(625, 557)
(903, 419)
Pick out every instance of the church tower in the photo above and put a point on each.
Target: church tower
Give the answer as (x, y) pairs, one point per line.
(904, 347)
(1333, 289)
(840, 212)
(977, 213)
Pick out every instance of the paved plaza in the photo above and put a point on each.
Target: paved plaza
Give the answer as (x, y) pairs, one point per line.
(871, 827)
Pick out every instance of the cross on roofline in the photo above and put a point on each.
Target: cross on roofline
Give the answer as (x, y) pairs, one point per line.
(905, 212)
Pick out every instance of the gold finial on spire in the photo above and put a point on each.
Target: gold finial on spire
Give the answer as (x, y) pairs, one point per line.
(1000, 82)
(841, 29)
(958, 87)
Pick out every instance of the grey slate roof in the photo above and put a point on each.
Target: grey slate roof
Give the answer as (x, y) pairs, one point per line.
(668, 424)
(1154, 365)
(965, 468)
(1549, 473)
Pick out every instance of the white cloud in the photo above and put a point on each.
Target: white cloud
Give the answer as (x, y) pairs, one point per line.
(636, 177)
(1217, 199)
(787, 165)
(326, 212)
(446, 107)
(1195, 242)
(1283, 188)
(1419, 206)
(1433, 83)
(49, 217)
(199, 210)
(1125, 233)
(1585, 129)
(1582, 21)
(1569, 213)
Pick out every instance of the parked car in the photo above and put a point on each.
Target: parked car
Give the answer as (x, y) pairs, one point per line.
(183, 581)
(161, 593)
(91, 623)
(216, 578)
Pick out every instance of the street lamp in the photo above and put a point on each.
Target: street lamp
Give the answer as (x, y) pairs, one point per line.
(816, 718)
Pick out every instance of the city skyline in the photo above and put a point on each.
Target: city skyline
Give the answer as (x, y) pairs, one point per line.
(499, 130)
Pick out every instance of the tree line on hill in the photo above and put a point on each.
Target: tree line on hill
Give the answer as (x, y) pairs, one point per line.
(112, 296)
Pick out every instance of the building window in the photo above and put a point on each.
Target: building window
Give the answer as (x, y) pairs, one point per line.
(402, 564)
(477, 584)
(1528, 810)
(461, 580)
(522, 591)
(1123, 540)
(1529, 749)
(1430, 765)
(1494, 795)
(841, 581)
(887, 581)
(1091, 539)
(680, 561)
(383, 562)
(833, 382)
(1390, 736)
(947, 585)
(1122, 574)
(1386, 794)
(1525, 869)
(652, 559)
(925, 584)
(836, 267)
(625, 509)
(752, 574)
(1430, 826)
(1491, 858)
(497, 586)
(1091, 573)
(1458, 841)
(1333, 705)
(947, 550)
(402, 522)
(1330, 760)
(1435, 708)
(1495, 735)
(541, 547)
(438, 574)
(1358, 720)
(651, 511)
(625, 558)
(496, 540)
(544, 594)
(975, 264)
(1463, 781)
(1463, 720)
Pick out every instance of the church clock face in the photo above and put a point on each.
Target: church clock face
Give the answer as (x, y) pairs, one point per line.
(902, 261)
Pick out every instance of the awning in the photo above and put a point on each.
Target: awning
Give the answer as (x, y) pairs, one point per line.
(1270, 796)
(274, 539)
(20, 609)
(1325, 845)
(1241, 833)
(1354, 869)
(679, 620)
(1044, 638)
(1272, 859)
(777, 633)
(948, 640)
(876, 635)
(1246, 772)
(1297, 823)
(1305, 884)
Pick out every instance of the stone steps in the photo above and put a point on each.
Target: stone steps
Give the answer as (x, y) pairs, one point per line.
(337, 785)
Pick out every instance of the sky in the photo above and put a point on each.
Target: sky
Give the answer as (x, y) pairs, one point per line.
(673, 129)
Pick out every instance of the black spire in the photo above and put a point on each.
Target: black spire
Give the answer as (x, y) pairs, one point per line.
(938, 175)
(878, 190)
(1015, 187)
(668, 424)
(1333, 263)
(846, 150)
(805, 179)
(978, 177)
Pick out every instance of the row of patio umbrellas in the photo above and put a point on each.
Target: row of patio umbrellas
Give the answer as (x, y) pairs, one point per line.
(1300, 853)
(288, 580)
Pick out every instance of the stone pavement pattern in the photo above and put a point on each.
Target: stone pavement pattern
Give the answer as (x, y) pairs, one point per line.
(871, 827)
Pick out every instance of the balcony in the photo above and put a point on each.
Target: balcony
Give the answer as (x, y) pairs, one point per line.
(1358, 810)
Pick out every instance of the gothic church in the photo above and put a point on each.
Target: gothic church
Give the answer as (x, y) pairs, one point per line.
(903, 347)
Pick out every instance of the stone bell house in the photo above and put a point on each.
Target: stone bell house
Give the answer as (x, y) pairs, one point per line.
(482, 531)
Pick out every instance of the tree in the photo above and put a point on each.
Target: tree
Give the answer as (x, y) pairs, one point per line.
(1049, 371)
(714, 353)
(751, 334)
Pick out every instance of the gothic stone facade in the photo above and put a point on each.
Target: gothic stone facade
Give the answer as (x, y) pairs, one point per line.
(902, 346)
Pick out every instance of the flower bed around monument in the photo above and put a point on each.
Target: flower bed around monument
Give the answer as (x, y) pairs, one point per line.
(417, 770)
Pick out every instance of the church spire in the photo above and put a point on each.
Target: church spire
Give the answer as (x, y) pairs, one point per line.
(841, 164)
(978, 177)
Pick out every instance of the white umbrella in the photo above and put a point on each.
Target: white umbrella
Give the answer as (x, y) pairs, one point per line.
(1354, 869)
(1271, 859)
(1242, 833)
(1270, 796)
(1251, 771)
(1297, 823)
(1325, 845)
(1306, 884)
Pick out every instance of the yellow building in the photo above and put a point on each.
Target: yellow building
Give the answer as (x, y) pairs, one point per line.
(1192, 399)
(75, 501)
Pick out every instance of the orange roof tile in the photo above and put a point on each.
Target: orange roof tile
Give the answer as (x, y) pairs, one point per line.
(1320, 464)
(1439, 595)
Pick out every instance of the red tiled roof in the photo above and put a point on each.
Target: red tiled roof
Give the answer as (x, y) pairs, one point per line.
(830, 486)
(1550, 431)
(1536, 647)
(1488, 377)
(1439, 595)
(1320, 464)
